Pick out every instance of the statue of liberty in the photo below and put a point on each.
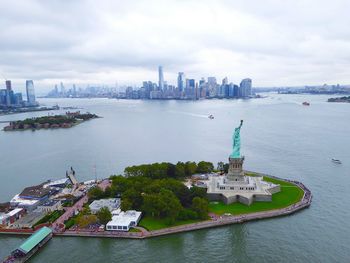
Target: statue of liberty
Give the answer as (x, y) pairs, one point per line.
(236, 138)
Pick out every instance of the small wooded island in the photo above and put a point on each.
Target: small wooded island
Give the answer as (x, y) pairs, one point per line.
(67, 120)
(340, 99)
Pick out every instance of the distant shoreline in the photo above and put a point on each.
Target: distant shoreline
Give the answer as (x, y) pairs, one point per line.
(24, 110)
(340, 99)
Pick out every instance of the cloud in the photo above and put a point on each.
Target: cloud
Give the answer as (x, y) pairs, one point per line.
(273, 42)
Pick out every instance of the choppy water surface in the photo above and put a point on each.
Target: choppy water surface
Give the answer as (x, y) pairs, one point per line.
(279, 137)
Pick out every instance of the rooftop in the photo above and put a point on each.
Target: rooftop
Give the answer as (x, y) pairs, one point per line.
(35, 239)
(110, 203)
(50, 203)
(14, 211)
(19, 200)
(36, 191)
(29, 219)
(57, 182)
(125, 218)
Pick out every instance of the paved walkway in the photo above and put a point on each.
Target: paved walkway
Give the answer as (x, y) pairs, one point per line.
(58, 225)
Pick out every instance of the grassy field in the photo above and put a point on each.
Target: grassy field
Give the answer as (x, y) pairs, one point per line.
(151, 223)
(134, 230)
(289, 195)
(50, 217)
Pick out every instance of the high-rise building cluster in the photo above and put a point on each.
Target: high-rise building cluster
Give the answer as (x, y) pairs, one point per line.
(60, 91)
(186, 89)
(11, 99)
(190, 89)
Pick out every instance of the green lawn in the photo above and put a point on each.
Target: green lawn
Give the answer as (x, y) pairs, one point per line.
(151, 223)
(134, 230)
(289, 194)
(50, 217)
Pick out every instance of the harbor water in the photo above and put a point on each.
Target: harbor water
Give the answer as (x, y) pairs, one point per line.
(279, 136)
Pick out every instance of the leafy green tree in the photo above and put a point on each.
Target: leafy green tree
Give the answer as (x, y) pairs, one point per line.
(187, 214)
(205, 167)
(86, 210)
(134, 197)
(171, 205)
(171, 172)
(108, 192)
(126, 204)
(104, 215)
(198, 192)
(153, 204)
(180, 170)
(85, 220)
(179, 189)
(120, 183)
(200, 206)
(190, 168)
(95, 193)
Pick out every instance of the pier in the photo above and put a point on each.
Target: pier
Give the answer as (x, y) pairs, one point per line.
(30, 246)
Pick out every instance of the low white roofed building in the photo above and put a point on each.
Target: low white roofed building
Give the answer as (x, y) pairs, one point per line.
(58, 183)
(124, 220)
(110, 203)
(10, 217)
(28, 204)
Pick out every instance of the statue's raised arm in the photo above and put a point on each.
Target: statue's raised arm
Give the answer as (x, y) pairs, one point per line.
(236, 146)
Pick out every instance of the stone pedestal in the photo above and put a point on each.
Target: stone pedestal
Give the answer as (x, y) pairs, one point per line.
(235, 170)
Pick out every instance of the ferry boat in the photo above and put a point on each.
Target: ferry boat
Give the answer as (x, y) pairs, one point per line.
(336, 161)
(211, 117)
(305, 103)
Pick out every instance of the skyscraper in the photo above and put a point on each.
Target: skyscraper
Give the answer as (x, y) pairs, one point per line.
(161, 78)
(181, 81)
(8, 92)
(245, 88)
(190, 84)
(30, 92)
(8, 85)
(63, 89)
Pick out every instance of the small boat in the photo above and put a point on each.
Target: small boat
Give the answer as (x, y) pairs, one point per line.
(336, 161)
(305, 103)
(211, 117)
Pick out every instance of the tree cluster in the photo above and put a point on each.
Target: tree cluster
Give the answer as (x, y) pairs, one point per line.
(162, 198)
(56, 119)
(169, 170)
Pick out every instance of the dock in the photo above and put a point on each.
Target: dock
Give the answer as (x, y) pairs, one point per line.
(30, 246)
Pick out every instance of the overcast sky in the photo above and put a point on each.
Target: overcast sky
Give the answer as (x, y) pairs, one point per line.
(274, 42)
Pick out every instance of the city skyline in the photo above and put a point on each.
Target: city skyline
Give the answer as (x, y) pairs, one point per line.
(11, 99)
(184, 89)
(276, 44)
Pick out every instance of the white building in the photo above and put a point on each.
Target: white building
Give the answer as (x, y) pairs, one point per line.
(28, 204)
(110, 203)
(122, 221)
(10, 217)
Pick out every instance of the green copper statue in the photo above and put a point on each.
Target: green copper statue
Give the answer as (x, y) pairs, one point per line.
(236, 151)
